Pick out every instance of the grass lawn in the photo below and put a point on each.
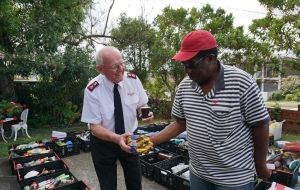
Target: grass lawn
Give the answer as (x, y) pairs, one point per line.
(283, 104)
(36, 135)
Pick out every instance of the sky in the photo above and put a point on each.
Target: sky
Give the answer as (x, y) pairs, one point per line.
(244, 11)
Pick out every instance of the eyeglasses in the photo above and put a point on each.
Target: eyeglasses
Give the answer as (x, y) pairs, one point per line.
(115, 67)
(194, 64)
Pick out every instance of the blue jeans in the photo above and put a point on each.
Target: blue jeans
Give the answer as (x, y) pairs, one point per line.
(197, 183)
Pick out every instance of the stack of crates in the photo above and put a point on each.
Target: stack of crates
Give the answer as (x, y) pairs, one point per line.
(15, 153)
(34, 169)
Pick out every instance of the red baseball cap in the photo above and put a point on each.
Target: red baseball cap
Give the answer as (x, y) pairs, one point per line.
(193, 43)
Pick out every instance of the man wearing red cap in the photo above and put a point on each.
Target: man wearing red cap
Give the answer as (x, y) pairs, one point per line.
(223, 112)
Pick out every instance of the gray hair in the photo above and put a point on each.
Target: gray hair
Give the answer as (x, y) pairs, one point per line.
(99, 54)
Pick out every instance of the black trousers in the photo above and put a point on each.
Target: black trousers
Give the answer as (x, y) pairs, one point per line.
(105, 155)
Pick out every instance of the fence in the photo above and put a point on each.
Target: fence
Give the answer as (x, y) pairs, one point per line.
(292, 120)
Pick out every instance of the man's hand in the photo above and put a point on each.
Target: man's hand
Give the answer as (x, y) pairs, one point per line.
(262, 171)
(149, 119)
(122, 139)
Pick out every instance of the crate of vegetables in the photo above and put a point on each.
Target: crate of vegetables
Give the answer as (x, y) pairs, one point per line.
(28, 173)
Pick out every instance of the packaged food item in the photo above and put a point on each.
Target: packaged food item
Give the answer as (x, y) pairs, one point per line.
(139, 144)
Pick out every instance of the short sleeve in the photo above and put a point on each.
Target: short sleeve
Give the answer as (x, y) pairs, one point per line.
(252, 106)
(91, 109)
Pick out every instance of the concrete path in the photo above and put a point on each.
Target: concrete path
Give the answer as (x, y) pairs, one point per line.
(81, 166)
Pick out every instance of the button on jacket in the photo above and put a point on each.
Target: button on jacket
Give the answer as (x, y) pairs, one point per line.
(98, 106)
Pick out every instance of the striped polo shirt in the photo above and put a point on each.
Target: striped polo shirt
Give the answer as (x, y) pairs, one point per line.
(219, 126)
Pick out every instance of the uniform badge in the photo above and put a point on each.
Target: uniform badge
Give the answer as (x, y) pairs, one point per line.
(131, 75)
(92, 86)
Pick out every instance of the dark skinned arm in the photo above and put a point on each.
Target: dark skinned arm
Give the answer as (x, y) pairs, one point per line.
(261, 143)
(169, 132)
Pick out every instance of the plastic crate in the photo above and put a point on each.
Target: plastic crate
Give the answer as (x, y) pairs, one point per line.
(57, 166)
(182, 151)
(169, 146)
(22, 154)
(284, 177)
(44, 178)
(67, 149)
(73, 134)
(25, 152)
(163, 173)
(22, 161)
(181, 183)
(85, 145)
(78, 185)
(153, 127)
(13, 147)
(148, 160)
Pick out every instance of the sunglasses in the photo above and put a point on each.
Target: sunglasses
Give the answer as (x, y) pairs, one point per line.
(194, 64)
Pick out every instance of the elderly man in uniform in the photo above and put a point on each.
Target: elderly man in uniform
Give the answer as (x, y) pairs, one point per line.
(223, 112)
(111, 101)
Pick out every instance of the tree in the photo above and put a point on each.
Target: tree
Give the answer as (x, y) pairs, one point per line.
(135, 38)
(35, 41)
(280, 28)
(33, 32)
(173, 24)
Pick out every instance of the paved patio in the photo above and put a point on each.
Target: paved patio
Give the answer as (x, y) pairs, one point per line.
(81, 166)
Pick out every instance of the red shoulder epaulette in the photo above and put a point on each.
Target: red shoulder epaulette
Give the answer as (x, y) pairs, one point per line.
(131, 75)
(92, 86)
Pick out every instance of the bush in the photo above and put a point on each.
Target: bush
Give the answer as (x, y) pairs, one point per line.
(161, 108)
(295, 96)
(70, 113)
(275, 112)
(277, 96)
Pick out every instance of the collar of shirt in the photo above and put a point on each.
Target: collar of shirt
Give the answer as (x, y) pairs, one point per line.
(110, 85)
(219, 85)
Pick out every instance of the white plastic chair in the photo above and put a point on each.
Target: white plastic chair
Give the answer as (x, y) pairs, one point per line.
(21, 125)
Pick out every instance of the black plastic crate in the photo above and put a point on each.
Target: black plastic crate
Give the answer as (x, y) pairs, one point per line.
(78, 185)
(74, 134)
(153, 127)
(45, 178)
(52, 167)
(182, 151)
(163, 173)
(20, 154)
(66, 149)
(85, 145)
(22, 161)
(181, 183)
(284, 177)
(84, 140)
(169, 146)
(148, 160)
(27, 152)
